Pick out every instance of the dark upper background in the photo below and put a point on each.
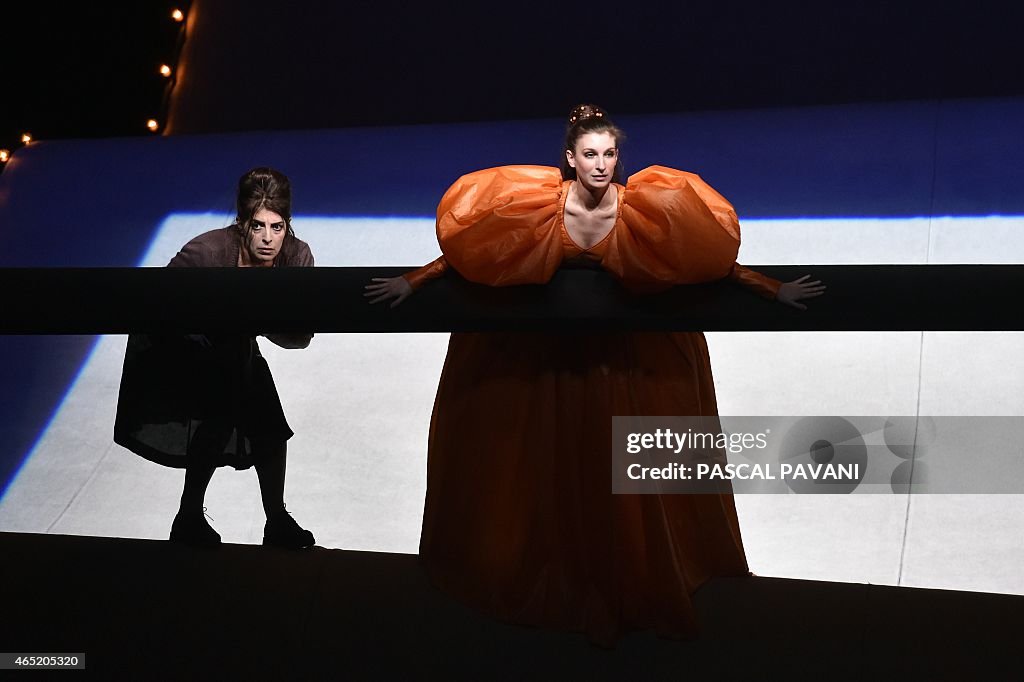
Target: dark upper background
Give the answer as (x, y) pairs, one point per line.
(89, 69)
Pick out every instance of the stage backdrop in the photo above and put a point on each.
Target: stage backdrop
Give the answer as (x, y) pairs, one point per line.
(918, 183)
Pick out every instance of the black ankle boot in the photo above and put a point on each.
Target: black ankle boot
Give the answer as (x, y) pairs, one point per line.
(282, 531)
(192, 529)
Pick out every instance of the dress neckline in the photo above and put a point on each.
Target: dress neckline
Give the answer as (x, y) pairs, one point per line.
(620, 191)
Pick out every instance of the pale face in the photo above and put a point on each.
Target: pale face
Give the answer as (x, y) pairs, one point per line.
(594, 159)
(266, 238)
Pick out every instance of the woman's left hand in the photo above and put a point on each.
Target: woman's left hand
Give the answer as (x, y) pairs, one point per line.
(791, 292)
(386, 288)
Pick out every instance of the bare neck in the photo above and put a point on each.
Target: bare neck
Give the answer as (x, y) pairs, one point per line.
(592, 198)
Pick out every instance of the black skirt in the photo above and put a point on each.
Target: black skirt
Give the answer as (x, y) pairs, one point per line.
(194, 398)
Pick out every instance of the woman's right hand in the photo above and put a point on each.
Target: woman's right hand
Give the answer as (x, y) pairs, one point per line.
(387, 288)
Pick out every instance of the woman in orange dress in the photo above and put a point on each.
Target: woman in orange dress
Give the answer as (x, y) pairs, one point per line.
(520, 520)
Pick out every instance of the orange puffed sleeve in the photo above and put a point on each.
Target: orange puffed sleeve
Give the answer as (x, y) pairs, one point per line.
(674, 229)
(499, 226)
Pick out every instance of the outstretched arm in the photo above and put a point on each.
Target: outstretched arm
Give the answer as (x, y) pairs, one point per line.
(788, 293)
(401, 288)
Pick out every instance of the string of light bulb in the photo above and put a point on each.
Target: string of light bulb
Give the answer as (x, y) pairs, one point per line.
(164, 70)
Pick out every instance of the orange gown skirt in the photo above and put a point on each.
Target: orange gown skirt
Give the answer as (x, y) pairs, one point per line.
(520, 520)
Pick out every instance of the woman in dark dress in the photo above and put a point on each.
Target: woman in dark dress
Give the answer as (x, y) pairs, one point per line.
(198, 402)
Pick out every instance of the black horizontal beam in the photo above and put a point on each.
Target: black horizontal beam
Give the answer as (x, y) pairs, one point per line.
(253, 301)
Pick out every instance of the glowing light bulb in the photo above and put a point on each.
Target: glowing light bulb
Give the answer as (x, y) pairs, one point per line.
(178, 15)
(4, 155)
(165, 70)
(26, 138)
(152, 124)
